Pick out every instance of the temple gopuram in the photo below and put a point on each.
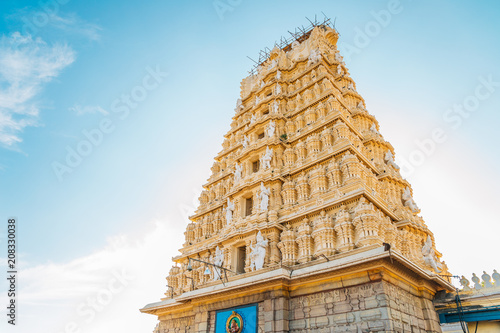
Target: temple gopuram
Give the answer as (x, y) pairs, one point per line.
(305, 224)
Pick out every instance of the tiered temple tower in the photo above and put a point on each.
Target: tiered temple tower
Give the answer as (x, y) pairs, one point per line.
(305, 224)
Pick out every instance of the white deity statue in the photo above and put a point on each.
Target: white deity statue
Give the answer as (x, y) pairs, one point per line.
(339, 69)
(314, 57)
(430, 255)
(275, 107)
(262, 83)
(264, 197)
(237, 172)
(245, 141)
(258, 252)
(278, 75)
(229, 211)
(218, 260)
(239, 105)
(338, 57)
(265, 160)
(277, 89)
(270, 129)
(253, 119)
(373, 128)
(361, 106)
(257, 100)
(408, 200)
(350, 86)
(389, 159)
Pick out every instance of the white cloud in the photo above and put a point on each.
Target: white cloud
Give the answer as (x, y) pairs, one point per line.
(43, 21)
(72, 24)
(84, 109)
(100, 292)
(26, 65)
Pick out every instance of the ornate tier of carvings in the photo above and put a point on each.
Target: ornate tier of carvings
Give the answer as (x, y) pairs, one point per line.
(304, 173)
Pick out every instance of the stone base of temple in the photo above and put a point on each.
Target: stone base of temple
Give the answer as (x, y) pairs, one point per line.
(373, 290)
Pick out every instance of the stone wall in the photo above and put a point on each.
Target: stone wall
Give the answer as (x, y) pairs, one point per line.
(372, 307)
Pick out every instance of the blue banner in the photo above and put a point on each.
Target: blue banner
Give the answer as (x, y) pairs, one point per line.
(242, 319)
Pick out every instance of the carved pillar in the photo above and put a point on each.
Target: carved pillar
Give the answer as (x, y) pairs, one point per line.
(289, 157)
(305, 242)
(310, 116)
(319, 181)
(198, 233)
(302, 188)
(290, 128)
(313, 144)
(217, 222)
(189, 233)
(350, 168)
(288, 247)
(301, 151)
(247, 258)
(405, 246)
(344, 229)
(299, 122)
(342, 132)
(326, 138)
(289, 194)
(274, 252)
(173, 281)
(276, 197)
(227, 260)
(323, 235)
(366, 224)
(335, 178)
(278, 157)
(390, 233)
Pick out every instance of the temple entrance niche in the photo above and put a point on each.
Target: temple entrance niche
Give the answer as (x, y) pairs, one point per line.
(241, 254)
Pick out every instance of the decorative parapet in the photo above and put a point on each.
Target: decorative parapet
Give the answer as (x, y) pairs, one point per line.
(483, 283)
(474, 305)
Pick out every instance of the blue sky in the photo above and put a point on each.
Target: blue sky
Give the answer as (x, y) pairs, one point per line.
(66, 68)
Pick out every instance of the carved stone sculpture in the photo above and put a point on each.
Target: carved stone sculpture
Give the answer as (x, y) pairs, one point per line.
(277, 89)
(253, 119)
(275, 107)
(389, 159)
(229, 211)
(314, 57)
(265, 160)
(409, 202)
(238, 169)
(239, 105)
(270, 129)
(218, 260)
(264, 197)
(374, 130)
(430, 255)
(258, 252)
